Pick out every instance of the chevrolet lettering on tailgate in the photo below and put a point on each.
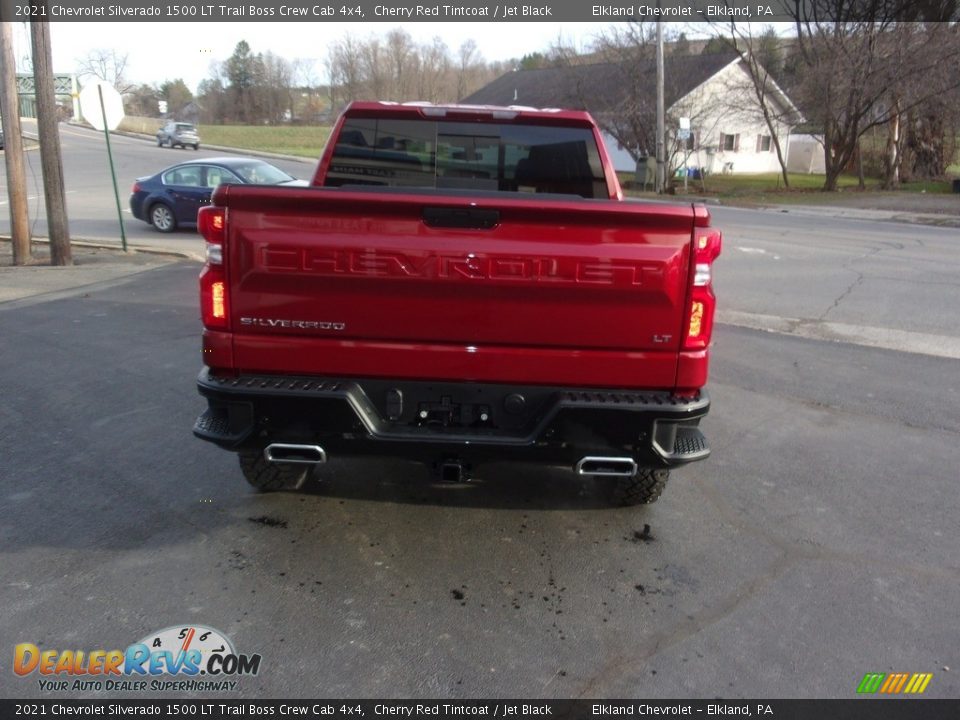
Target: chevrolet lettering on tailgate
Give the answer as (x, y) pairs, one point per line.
(344, 261)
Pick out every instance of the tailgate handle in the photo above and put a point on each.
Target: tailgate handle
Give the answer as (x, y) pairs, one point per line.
(467, 218)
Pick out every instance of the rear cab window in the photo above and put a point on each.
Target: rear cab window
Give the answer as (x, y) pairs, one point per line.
(502, 157)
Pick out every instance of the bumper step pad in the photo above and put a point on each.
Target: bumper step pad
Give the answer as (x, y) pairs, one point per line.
(689, 445)
(216, 427)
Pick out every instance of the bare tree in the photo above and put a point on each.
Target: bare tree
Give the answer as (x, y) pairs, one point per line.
(762, 96)
(213, 95)
(344, 65)
(373, 65)
(401, 53)
(928, 130)
(435, 66)
(142, 101)
(467, 61)
(397, 68)
(274, 88)
(864, 66)
(930, 136)
(633, 122)
(627, 111)
(306, 79)
(107, 65)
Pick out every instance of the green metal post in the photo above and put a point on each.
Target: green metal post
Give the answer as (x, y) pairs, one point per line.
(113, 173)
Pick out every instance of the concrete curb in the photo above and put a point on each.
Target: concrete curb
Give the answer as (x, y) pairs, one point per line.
(104, 245)
(843, 212)
(915, 218)
(833, 211)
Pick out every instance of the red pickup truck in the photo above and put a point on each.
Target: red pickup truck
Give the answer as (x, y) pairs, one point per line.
(457, 285)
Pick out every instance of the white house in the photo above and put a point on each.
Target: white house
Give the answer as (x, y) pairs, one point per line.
(713, 90)
(728, 131)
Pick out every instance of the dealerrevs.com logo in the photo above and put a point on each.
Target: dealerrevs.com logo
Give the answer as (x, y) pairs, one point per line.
(178, 658)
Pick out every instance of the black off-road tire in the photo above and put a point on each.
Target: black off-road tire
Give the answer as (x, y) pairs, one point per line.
(640, 489)
(270, 477)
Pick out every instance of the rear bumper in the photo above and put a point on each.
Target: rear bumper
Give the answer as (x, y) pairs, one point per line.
(481, 421)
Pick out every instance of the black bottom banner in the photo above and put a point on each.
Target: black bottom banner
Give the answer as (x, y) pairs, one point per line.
(856, 709)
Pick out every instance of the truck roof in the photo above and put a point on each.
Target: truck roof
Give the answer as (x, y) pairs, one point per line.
(384, 108)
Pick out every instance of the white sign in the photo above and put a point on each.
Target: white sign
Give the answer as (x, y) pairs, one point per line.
(112, 105)
(684, 123)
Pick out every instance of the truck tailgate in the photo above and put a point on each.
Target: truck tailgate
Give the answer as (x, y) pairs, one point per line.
(588, 291)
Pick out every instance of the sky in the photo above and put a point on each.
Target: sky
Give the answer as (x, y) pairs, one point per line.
(157, 52)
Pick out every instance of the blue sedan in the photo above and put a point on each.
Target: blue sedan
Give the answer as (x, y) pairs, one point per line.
(171, 198)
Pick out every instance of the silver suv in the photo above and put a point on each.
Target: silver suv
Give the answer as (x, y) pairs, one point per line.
(178, 133)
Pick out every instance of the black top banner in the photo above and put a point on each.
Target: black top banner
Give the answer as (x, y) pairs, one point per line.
(205, 709)
(687, 11)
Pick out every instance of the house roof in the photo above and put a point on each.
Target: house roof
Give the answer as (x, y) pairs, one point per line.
(599, 87)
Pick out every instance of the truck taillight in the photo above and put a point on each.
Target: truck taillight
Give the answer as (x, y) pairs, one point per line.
(213, 298)
(702, 301)
(214, 306)
(211, 222)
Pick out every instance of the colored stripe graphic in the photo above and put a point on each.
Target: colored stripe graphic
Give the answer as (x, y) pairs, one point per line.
(895, 683)
(918, 683)
(870, 683)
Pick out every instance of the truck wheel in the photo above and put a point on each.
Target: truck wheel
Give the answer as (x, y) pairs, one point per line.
(270, 477)
(641, 489)
(159, 142)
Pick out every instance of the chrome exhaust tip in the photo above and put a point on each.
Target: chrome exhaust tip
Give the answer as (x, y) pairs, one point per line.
(296, 454)
(606, 466)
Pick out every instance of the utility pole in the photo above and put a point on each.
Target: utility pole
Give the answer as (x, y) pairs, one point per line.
(49, 135)
(13, 152)
(661, 155)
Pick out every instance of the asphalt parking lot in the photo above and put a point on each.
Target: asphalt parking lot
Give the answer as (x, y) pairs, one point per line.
(818, 543)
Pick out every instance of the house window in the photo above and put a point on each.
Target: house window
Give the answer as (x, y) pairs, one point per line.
(730, 143)
(763, 143)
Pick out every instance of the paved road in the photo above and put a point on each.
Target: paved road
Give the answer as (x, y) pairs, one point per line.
(91, 202)
(882, 284)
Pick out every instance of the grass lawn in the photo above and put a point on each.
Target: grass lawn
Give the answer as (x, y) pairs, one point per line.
(804, 189)
(302, 141)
